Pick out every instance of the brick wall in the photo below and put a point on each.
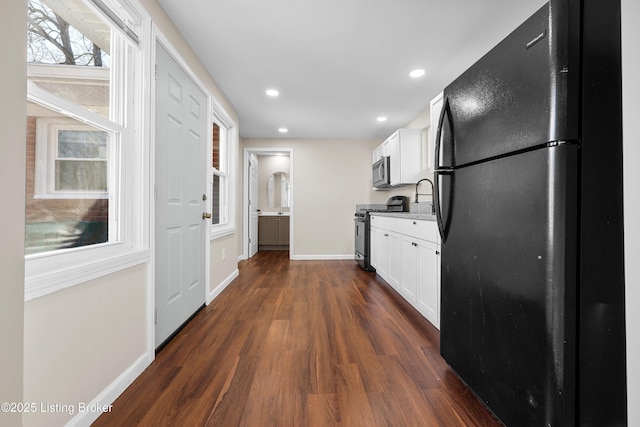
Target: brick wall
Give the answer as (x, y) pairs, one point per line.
(216, 146)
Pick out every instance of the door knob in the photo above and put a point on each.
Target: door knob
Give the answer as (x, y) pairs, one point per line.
(206, 215)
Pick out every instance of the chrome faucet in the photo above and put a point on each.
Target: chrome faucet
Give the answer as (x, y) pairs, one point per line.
(433, 207)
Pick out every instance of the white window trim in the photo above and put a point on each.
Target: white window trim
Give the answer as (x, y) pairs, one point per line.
(46, 148)
(230, 129)
(49, 272)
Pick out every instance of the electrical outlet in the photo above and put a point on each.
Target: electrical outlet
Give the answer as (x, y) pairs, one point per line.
(224, 254)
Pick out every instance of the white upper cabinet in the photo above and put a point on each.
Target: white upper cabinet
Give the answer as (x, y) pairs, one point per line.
(404, 148)
(380, 151)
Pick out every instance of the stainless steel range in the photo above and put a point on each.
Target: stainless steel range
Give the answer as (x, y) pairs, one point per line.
(363, 227)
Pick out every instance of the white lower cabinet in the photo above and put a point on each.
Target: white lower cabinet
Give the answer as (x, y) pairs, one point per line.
(394, 270)
(428, 298)
(406, 254)
(410, 260)
(379, 257)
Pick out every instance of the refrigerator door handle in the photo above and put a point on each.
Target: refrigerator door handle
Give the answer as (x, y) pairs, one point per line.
(436, 199)
(440, 170)
(446, 111)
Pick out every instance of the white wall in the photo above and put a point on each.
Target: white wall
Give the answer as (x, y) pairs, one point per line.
(80, 339)
(329, 178)
(224, 263)
(631, 126)
(12, 164)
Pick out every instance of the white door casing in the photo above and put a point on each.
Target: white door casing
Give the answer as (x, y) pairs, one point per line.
(180, 179)
(253, 205)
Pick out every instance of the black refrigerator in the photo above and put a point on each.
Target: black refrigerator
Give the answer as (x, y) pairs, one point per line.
(529, 205)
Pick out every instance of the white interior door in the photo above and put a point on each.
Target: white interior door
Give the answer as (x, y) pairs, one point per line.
(180, 231)
(253, 205)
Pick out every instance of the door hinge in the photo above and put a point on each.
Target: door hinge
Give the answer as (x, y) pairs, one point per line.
(155, 316)
(156, 71)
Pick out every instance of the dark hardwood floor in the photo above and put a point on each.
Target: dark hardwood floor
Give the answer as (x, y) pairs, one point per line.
(301, 343)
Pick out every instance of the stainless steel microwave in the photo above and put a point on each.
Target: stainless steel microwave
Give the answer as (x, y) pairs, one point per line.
(381, 175)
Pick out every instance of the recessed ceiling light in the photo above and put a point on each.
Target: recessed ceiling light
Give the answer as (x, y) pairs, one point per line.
(272, 92)
(283, 130)
(417, 73)
(381, 119)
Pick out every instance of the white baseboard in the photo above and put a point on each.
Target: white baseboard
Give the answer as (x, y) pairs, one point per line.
(322, 257)
(216, 291)
(109, 395)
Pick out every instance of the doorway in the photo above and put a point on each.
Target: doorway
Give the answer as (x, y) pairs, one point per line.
(268, 192)
(180, 194)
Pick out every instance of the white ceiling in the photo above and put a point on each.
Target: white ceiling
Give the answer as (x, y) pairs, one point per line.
(339, 64)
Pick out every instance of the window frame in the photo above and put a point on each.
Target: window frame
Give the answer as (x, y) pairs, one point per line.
(128, 246)
(222, 173)
(47, 131)
(228, 151)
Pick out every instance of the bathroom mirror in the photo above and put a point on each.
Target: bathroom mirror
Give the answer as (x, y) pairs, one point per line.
(278, 190)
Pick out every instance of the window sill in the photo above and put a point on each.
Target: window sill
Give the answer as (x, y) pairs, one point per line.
(74, 196)
(44, 284)
(221, 231)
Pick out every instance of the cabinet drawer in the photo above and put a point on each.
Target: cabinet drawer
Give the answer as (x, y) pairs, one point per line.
(385, 222)
(425, 230)
(419, 229)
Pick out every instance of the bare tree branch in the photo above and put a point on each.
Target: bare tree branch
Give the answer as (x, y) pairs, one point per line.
(51, 39)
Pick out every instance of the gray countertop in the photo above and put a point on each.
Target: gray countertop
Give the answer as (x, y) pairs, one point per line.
(407, 215)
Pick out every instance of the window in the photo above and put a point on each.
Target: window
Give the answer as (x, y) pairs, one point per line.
(223, 155)
(71, 159)
(219, 193)
(80, 160)
(83, 136)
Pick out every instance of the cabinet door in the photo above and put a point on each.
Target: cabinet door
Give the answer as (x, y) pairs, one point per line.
(283, 230)
(379, 152)
(394, 158)
(375, 243)
(381, 253)
(409, 278)
(410, 143)
(394, 272)
(428, 280)
(268, 230)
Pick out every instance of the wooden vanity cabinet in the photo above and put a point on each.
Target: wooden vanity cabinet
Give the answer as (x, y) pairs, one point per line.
(273, 232)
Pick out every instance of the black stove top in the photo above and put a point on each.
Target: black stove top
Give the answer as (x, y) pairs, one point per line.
(394, 204)
(363, 212)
